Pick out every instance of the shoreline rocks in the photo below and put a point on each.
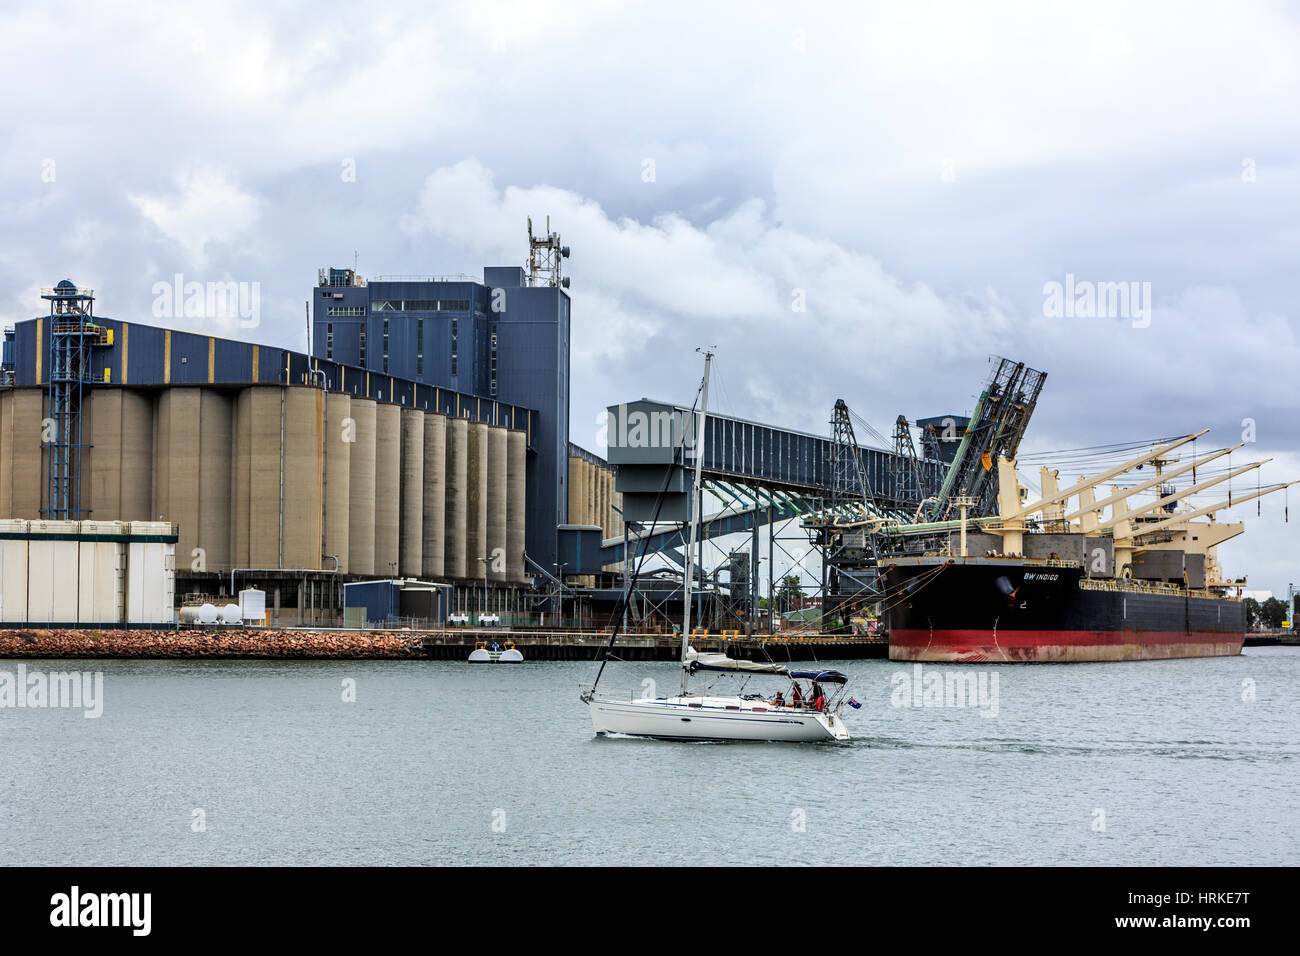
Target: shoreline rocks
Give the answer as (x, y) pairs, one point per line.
(208, 642)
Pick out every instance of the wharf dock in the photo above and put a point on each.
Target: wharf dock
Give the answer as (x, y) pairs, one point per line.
(1281, 638)
(436, 644)
(570, 645)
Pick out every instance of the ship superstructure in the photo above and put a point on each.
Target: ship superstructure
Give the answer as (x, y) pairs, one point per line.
(1121, 564)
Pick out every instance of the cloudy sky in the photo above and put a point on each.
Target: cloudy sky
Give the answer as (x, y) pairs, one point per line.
(861, 201)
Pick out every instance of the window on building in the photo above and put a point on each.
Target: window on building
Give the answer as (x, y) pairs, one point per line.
(346, 310)
(362, 361)
(420, 305)
(385, 346)
(455, 332)
(419, 348)
(492, 365)
(329, 340)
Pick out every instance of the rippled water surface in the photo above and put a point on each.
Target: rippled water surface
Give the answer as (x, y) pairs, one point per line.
(1160, 762)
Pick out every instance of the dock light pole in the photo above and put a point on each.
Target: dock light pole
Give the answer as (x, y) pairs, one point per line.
(483, 613)
(559, 576)
(627, 562)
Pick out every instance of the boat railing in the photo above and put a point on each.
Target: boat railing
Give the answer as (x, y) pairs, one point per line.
(1130, 586)
(586, 691)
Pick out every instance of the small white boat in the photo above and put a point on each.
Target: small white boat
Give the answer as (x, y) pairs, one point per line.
(484, 653)
(713, 718)
(707, 717)
(808, 716)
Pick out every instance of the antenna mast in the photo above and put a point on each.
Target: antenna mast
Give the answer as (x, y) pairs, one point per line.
(544, 255)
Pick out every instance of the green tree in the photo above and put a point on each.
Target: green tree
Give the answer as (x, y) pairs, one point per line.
(1272, 613)
(1252, 611)
(790, 589)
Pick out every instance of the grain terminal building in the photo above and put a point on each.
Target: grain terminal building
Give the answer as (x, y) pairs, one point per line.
(426, 437)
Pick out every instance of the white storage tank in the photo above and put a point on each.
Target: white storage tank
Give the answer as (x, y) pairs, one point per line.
(252, 606)
(230, 614)
(207, 614)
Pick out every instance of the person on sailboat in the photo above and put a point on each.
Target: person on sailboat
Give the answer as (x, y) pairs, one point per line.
(796, 695)
(779, 699)
(817, 697)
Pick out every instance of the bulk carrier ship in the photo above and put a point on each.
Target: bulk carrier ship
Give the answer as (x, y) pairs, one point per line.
(983, 571)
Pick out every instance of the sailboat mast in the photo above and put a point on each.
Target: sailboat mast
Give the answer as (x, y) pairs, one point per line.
(696, 502)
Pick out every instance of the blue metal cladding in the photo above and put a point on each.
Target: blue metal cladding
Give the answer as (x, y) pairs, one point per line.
(579, 549)
(454, 342)
(533, 370)
(232, 365)
(752, 452)
(381, 599)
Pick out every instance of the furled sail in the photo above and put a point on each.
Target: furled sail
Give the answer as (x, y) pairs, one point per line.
(696, 661)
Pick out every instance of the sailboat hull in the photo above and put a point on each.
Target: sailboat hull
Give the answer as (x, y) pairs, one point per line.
(712, 718)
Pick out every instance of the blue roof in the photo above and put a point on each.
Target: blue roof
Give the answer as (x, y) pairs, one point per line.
(821, 677)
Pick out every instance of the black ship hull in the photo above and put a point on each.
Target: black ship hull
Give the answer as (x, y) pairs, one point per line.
(1006, 609)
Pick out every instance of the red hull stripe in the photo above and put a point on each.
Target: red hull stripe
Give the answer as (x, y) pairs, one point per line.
(982, 638)
(1058, 645)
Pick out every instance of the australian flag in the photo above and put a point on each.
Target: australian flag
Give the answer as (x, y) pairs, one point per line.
(854, 704)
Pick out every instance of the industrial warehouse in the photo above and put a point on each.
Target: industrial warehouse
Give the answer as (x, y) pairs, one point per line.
(426, 439)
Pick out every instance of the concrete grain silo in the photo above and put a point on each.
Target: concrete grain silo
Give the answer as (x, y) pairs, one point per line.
(6, 450)
(435, 494)
(411, 529)
(476, 479)
(24, 410)
(176, 467)
(215, 439)
(575, 483)
(304, 415)
(338, 480)
(259, 431)
(361, 488)
(496, 503)
(137, 438)
(457, 517)
(241, 480)
(516, 505)
(388, 487)
(119, 477)
(602, 509)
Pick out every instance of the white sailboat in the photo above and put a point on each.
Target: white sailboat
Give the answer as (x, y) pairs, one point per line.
(812, 715)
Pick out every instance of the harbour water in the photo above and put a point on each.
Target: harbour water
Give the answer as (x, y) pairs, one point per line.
(267, 762)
